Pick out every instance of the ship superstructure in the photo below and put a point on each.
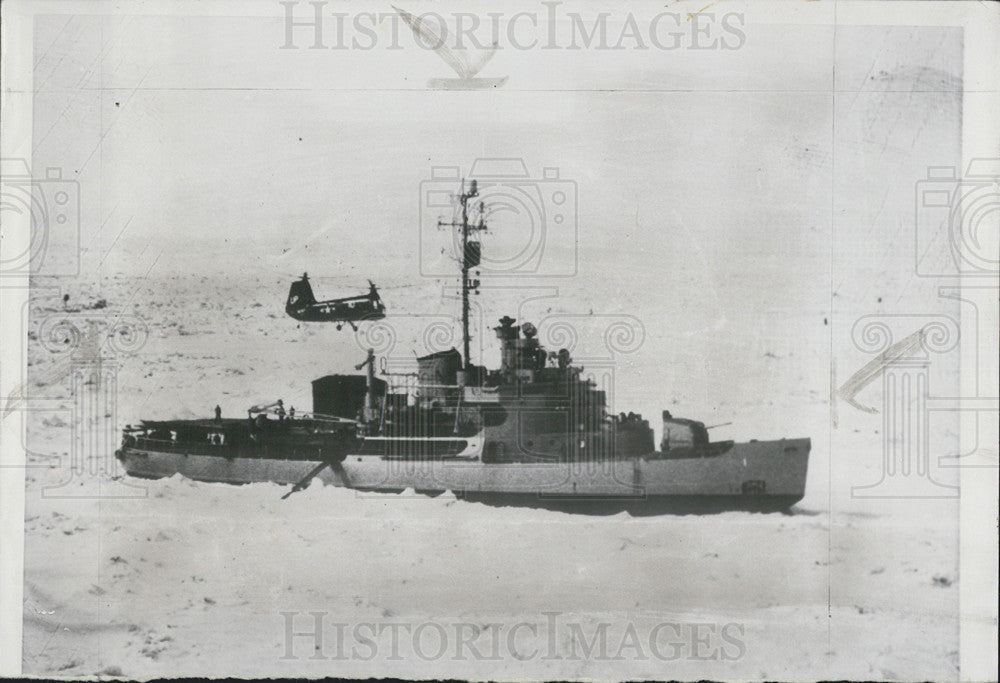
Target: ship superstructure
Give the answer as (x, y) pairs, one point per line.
(533, 430)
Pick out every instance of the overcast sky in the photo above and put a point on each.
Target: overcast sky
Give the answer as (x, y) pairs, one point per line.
(197, 136)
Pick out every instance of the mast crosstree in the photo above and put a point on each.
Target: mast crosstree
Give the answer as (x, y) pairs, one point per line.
(471, 256)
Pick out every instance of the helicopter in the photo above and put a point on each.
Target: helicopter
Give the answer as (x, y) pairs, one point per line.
(302, 305)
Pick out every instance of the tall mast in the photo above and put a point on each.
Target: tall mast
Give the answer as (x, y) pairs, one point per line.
(470, 259)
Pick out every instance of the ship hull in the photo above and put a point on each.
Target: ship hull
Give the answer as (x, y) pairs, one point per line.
(764, 475)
